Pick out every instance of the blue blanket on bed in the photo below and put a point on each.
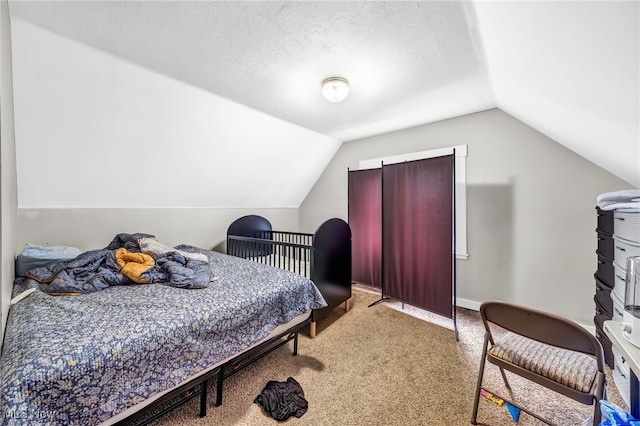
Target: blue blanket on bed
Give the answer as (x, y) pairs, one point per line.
(98, 269)
(82, 360)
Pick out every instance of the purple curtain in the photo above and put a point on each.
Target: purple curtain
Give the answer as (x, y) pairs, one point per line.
(417, 229)
(365, 211)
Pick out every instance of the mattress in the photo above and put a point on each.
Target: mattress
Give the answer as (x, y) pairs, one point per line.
(86, 359)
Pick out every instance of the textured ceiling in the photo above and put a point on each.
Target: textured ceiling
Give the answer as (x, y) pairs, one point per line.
(567, 68)
(272, 56)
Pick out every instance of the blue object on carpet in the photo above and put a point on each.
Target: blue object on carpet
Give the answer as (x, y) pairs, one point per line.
(514, 411)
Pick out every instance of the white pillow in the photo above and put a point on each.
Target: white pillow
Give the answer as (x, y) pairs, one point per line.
(154, 248)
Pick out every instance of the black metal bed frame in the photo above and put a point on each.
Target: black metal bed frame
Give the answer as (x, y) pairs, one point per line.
(198, 386)
(242, 361)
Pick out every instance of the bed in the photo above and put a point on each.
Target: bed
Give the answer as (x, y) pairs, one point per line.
(106, 356)
(324, 256)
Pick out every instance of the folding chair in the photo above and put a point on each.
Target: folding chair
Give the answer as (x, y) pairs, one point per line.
(547, 349)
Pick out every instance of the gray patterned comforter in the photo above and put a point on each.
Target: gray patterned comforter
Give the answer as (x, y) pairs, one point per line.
(80, 360)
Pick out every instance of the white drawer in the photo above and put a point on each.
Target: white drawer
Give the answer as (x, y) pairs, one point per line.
(620, 282)
(620, 375)
(623, 249)
(620, 361)
(618, 307)
(626, 225)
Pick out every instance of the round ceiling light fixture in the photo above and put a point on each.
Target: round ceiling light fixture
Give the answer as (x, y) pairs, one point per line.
(335, 89)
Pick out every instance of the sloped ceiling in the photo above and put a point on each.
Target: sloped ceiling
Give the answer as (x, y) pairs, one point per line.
(569, 69)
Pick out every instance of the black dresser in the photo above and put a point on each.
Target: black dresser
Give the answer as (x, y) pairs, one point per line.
(605, 280)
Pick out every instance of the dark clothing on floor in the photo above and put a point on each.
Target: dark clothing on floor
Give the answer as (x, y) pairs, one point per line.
(282, 400)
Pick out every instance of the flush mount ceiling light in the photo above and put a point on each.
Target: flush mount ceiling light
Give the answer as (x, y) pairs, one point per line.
(335, 89)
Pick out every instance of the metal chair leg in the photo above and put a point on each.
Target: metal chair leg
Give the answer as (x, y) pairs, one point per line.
(476, 402)
(601, 393)
(504, 378)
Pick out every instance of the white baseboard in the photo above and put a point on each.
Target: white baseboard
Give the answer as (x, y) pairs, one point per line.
(590, 328)
(467, 304)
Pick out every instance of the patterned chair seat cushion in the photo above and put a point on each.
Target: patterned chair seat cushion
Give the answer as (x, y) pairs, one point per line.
(573, 369)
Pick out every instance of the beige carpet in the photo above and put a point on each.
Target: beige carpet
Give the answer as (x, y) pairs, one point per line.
(379, 366)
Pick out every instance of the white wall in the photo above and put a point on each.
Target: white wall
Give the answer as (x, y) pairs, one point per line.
(530, 209)
(93, 130)
(8, 203)
(94, 228)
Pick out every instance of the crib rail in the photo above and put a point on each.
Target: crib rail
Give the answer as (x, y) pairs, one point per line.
(287, 237)
(293, 256)
(324, 256)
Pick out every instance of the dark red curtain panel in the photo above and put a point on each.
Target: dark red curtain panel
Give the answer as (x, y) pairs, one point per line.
(418, 233)
(365, 207)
